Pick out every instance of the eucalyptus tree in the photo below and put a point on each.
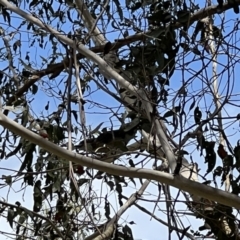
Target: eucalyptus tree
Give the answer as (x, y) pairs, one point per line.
(136, 100)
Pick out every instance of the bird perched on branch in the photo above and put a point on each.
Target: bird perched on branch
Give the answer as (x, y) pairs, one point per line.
(114, 138)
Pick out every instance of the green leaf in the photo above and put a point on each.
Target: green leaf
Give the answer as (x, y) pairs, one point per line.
(119, 9)
(6, 15)
(22, 218)
(110, 184)
(26, 66)
(43, 59)
(33, 3)
(183, 152)
(28, 150)
(192, 105)
(28, 178)
(133, 181)
(96, 129)
(127, 233)
(47, 106)
(136, 6)
(34, 89)
(16, 45)
(3, 150)
(196, 51)
(131, 163)
(177, 109)
(8, 179)
(75, 115)
(56, 133)
(160, 59)
(55, 73)
(168, 114)
(93, 209)
(185, 46)
(107, 208)
(183, 16)
(237, 155)
(10, 216)
(69, 16)
(119, 191)
(37, 196)
(156, 33)
(82, 181)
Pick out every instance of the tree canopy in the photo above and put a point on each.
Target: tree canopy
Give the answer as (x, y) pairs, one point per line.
(108, 106)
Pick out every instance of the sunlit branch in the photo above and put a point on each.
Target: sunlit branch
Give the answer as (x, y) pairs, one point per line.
(180, 182)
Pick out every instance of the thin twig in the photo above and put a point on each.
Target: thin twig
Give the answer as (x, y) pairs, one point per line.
(96, 21)
(160, 220)
(112, 223)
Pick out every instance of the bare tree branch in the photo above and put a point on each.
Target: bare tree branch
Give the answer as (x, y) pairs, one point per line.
(182, 183)
(110, 227)
(160, 220)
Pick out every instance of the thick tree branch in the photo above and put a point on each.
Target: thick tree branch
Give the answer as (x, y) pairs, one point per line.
(202, 13)
(118, 44)
(112, 223)
(108, 72)
(90, 22)
(175, 181)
